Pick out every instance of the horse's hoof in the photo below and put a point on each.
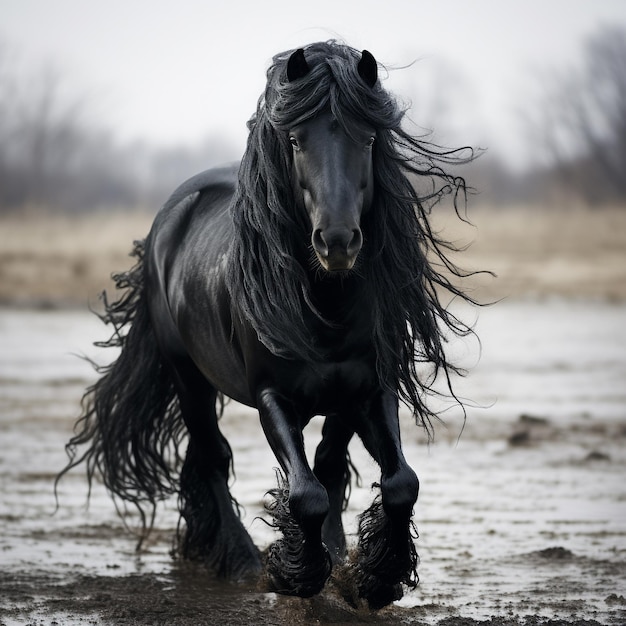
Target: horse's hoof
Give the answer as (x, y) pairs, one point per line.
(299, 588)
(301, 577)
(386, 557)
(379, 594)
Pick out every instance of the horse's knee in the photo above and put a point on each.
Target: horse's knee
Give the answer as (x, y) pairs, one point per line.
(309, 504)
(399, 492)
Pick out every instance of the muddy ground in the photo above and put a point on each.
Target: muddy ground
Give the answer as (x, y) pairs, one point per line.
(522, 517)
(522, 508)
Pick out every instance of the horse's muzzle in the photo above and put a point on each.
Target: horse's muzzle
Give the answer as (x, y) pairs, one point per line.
(337, 249)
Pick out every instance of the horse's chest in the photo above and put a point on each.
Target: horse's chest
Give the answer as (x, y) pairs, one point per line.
(331, 386)
(344, 378)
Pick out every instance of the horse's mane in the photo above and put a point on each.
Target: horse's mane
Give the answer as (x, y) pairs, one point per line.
(404, 260)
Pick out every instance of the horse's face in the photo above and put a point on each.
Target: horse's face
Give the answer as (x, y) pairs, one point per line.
(332, 179)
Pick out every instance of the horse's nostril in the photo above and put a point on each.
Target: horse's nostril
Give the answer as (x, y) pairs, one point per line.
(356, 242)
(319, 243)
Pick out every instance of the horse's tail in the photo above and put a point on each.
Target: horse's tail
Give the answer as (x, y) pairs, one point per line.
(130, 420)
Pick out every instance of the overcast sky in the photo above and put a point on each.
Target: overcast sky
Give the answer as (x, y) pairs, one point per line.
(176, 71)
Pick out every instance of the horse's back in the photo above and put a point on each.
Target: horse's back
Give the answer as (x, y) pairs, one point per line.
(216, 180)
(197, 203)
(196, 210)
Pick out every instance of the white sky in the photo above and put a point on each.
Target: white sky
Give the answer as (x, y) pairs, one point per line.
(176, 71)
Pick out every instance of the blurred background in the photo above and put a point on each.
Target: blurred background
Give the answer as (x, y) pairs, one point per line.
(106, 107)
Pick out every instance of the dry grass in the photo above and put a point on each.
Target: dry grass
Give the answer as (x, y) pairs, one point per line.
(51, 260)
(60, 260)
(536, 252)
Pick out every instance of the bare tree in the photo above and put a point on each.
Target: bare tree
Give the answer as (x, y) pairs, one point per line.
(603, 121)
(55, 155)
(51, 154)
(583, 120)
(48, 135)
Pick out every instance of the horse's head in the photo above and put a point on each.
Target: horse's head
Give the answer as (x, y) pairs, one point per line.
(332, 174)
(332, 178)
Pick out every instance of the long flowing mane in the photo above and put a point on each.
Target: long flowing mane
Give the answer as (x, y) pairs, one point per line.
(405, 266)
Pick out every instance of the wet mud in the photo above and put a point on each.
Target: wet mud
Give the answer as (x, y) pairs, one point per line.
(521, 515)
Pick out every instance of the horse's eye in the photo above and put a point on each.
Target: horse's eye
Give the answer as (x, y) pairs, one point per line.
(370, 142)
(294, 142)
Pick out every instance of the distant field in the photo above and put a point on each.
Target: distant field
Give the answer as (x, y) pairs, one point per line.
(59, 261)
(577, 253)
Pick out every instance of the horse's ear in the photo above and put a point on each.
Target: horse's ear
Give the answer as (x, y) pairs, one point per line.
(297, 67)
(368, 68)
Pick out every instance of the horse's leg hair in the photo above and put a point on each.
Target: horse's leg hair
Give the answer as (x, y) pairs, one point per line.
(332, 469)
(214, 533)
(386, 555)
(298, 564)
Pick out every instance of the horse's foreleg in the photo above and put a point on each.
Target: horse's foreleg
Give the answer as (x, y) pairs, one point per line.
(331, 468)
(386, 555)
(297, 564)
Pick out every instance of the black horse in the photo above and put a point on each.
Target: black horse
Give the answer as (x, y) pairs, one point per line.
(302, 282)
